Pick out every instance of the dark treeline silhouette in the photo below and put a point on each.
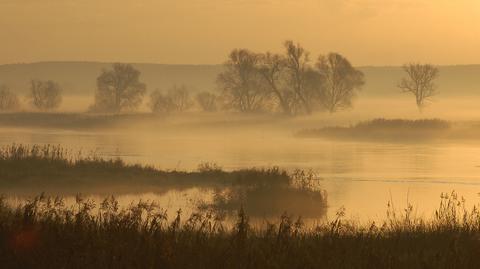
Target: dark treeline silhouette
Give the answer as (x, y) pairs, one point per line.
(289, 83)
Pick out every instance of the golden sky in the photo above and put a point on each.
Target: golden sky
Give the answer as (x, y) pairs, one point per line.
(369, 32)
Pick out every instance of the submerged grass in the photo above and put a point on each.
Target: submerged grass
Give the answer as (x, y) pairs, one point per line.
(46, 233)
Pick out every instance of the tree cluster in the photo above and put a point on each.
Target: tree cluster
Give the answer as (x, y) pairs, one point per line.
(176, 99)
(288, 82)
(43, 95)
(8, 100)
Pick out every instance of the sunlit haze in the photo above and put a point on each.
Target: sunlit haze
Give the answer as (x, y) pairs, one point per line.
(369, 32)
(243, 134)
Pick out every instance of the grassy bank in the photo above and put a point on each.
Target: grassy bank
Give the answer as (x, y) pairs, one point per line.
(71, 121)
(385, 129)
(45, 233)
(264, 191)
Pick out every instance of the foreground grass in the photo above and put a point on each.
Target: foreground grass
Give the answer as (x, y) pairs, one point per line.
(46, 233)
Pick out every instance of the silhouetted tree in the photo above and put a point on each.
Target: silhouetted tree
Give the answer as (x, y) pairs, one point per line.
(298, 68)
(119, 89)
(241, 83)
(8, 100)
(340, 80)
(159, 102)
(420, 82)
(272, 67)
(207, 101)
(45, 95)
(177, 99)
(180, 98)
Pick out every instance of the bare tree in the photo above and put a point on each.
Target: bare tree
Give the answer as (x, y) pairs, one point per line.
(180, 98)
(119, 89)
(241, 83)
(420, 82)
(8, 100)
(207, 101)
(272, 67)
(177, 99)
(160, 103)
(340, 81)
(288, 81)
(297, 66)
(45, 95)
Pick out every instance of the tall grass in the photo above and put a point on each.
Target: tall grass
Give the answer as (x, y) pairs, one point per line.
(46, 233)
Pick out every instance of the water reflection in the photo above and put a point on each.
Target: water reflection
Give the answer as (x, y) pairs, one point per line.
(360, 176)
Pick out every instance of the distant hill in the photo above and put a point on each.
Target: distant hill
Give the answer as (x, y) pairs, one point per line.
(79, 78)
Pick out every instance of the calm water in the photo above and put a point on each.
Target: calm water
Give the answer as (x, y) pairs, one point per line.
(362, 177)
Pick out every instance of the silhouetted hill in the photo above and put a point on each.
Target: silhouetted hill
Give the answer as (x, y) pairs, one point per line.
(79, 78)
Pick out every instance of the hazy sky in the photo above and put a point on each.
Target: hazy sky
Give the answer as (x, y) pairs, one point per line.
(369, 32)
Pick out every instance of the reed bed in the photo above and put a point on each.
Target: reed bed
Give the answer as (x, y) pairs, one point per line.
(27, 169)
(45, 233)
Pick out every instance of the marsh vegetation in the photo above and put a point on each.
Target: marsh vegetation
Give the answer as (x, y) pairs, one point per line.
(263, 191)
(251, 214)
(385, 129)
(45, 232)
(397, 130)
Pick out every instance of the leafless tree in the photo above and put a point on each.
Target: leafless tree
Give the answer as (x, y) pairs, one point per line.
(45, 95)
(160, 103)
(288, 81)
(180, 98)
(8, 100)
(420, 82)
(241, 83)
(207, 101)
(272, 68)
(119, 89)
(177, 99)
(298, 69)
(340, 81)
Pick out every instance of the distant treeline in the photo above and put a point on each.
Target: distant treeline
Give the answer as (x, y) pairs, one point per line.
(287, 83)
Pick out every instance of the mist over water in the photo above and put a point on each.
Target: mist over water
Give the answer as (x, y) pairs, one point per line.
(362, 176)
